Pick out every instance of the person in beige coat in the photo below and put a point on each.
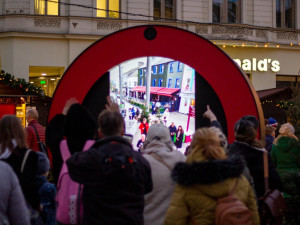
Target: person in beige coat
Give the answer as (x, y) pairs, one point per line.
(206, 176)
(160, 152)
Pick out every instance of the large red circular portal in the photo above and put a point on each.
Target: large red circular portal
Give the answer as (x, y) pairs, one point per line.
(236, 94)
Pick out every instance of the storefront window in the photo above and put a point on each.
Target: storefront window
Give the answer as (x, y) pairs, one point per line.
(285, 13)
(226, 11)
(108, 8)
(45, 7)
(164, 9)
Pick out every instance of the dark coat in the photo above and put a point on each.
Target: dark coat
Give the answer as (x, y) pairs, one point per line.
(269, 142)
(27, 179)
(172, 130)
(115, 179)
(178, 142)
(254, 160)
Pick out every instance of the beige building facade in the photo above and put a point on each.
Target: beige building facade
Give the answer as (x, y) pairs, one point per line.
(39, 39)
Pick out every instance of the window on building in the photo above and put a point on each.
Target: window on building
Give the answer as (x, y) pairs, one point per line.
(179, 67)
(169, 83)
(160, 82)
(153, 82)
(226, 11)
(164, 9)
(108, 8)
(286, 80)
(161, 68)
(134, 83)
(285, 13)
(45, 7)
(177, 83)
(141, 72)
(141, 81)
(154, 69)
(171, 68)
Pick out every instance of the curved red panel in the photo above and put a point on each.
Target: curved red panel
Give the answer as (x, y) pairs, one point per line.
(230, 84)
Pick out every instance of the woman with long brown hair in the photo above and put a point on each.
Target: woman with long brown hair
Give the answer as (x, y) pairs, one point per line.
(13, 150)
(207, 175)
(179, 137)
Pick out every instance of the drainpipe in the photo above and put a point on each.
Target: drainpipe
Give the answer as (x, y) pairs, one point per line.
(148, 82)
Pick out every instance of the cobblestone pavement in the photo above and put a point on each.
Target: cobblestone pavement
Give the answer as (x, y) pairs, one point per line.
(176, 117)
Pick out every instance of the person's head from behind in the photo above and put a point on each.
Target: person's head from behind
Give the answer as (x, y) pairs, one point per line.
(79, 123)
(32, 114)
(159, 133)
(270, 131)
(287, 130)
(110, 123)
(245, 130)
(43, 164)
(205, 146)
(12, 133)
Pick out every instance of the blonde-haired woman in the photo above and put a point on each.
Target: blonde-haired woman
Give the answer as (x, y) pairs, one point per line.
(286, 158)
(206, 176)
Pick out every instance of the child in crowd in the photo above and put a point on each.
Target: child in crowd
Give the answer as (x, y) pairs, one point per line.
(47, 191)
(269, 139)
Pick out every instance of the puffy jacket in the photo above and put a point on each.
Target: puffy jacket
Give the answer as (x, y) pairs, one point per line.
(31, 135)
(158, 201)
(115, 179)
(200, 184)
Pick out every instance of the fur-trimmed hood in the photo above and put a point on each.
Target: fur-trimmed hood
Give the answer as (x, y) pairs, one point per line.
(208, 172)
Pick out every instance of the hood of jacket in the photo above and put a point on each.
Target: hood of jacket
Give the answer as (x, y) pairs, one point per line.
(285, 144)
(212, 177)
(170, 156)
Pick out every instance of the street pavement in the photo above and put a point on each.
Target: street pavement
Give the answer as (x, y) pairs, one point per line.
(176, 117)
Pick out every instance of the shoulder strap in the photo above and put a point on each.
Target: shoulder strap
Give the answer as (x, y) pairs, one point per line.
(24, 160)
(65, 152)
(266, 171)
(159, 159)
(36, 133)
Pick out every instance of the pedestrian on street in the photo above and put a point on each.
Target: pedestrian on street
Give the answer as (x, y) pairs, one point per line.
(144, 126)
(159, 152)
(206, 176)
(115, 177)
(14, 151)
(13, 209)
(286, 158)
(172, 129)
(141, 143)
(179, 137)
(33, 129)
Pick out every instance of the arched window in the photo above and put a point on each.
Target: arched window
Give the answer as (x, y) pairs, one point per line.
(108, 8)
(45, 7)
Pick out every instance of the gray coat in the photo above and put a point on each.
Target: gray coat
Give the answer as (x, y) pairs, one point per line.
(158, 201)
(12, 205)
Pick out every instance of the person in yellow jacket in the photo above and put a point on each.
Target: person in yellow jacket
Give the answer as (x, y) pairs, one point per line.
(206, 176)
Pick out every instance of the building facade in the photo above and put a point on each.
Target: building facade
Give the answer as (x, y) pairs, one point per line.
(39, 39)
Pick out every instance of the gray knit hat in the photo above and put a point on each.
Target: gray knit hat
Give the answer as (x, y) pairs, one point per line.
(159, 132)
(43, 165)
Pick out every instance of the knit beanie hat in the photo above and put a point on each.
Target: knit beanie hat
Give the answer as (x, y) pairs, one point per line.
(272, 122)
(158, 132)
(43, 165)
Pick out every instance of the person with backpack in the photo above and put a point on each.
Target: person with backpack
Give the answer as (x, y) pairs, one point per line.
(210, 186)
(115, 177)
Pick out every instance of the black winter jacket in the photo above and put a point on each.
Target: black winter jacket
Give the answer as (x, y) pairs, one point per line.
(115, 179)
(254, 160)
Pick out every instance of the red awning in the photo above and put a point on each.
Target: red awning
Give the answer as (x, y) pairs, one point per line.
(157, 90)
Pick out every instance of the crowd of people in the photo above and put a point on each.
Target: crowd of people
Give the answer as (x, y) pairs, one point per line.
(97, 177)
